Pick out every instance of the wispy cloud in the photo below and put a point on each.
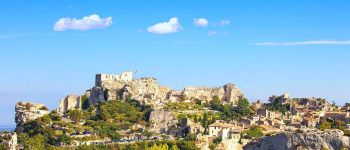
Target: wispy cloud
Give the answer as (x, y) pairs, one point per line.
(171, 26)
(213, 33)
(24, 35)
(201, 22)
(319, 42)
(224, 22)
(86, 23)
(6, 36)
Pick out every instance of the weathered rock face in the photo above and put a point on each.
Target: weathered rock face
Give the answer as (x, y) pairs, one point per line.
(96, 95)
(314, 103)
(147, 90)
(281, 99)
(162, 121)
(330, 139)
(9, 139)
(28, 111)
(188, 126)
(229, 93)
(68, 103)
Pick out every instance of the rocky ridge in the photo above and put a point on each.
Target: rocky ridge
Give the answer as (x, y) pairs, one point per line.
(147, 90)
(300, 140)
(26, 111)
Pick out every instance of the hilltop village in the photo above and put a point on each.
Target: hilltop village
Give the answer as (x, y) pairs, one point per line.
(121, 112)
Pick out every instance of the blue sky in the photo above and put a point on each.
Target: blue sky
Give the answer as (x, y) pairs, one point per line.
(264, 47)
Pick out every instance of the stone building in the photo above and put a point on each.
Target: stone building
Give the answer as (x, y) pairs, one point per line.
(340, 116)
(68, 103)
(124, 76)
(224, 130)
(263, 112)
(229, 133)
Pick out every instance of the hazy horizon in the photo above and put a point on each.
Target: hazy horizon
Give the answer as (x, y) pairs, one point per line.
(49, 50)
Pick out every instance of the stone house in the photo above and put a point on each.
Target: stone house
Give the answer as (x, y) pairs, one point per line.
(224, 130)
(341, 116)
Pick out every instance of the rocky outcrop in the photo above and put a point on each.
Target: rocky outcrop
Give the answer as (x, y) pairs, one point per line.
(280, 99)
(188, 126)
(68, 103)
(228, 93)
(314, 103)
(330, 139)
(148, 91)
(26, 111)
(9, 140)
(96, 95)
(162, 121)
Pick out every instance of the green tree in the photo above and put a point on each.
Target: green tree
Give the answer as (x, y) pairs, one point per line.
(85, 102)
(215, 104)
(37, 142)
(75, 115)
(253, 133)
(243, 108)
(65, 139)
(325, 125)
(54, 116)
(160, 147)
(217, 140)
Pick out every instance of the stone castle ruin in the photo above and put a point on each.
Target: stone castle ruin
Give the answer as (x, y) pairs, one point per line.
(104, 78)
(148, 91)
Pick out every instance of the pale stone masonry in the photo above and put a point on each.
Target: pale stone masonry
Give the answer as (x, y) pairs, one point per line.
(224, 130)
(124, 76)
(68, 103)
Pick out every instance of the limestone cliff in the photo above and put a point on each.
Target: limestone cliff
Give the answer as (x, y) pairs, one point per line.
(162, 121)
(330, 139)
(148, 91)
(9, 140)
(229, 93)
(26, 111)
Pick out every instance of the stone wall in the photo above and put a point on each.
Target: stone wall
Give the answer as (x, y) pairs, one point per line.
(69, 102)
(104, 78)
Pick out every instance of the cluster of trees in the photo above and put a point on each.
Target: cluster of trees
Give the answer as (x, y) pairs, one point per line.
(39, 133)
(253, 133)
(183, 106)
(333, 124)
(115, 115)
(104, 119)
(275, 105)
(230, 112)
(146, 145)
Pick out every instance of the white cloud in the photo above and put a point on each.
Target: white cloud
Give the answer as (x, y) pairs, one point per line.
(224, 22)
(320, 42)
(211, 33)
(89, 22)
(202, 22)
(171, 26)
